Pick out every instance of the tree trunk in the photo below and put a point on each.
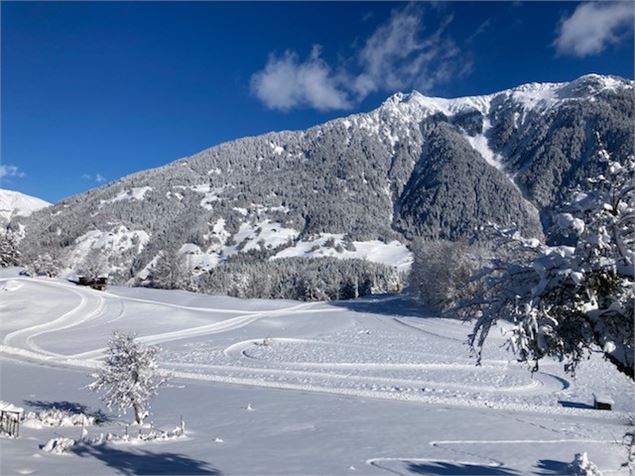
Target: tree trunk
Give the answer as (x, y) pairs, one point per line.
(139, 413)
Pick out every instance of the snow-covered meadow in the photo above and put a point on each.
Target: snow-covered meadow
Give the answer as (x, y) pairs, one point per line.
(371, 386)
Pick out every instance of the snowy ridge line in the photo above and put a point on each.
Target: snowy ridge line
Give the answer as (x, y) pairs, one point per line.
(451, 401)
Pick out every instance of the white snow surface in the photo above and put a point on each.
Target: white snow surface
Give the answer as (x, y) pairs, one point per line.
(135, 193)
(115, 241)
(282, 387)
(10, 407)
(265, 234)
(14, 203)
(393, 253)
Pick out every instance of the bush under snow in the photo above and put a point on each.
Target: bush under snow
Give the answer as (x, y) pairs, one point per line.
(56, 417)
(58, 445)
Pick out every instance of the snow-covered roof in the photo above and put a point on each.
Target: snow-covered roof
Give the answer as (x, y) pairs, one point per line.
(603, 398)
(10, 407)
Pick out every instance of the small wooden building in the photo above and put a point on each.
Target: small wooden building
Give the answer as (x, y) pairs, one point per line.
(99, 283)
(10, 416)
(602, 401)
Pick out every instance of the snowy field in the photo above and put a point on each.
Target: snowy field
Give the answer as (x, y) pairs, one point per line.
(372, 386)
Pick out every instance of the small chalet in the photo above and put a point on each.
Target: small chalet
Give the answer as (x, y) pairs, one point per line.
(602, 401)
(98, 283)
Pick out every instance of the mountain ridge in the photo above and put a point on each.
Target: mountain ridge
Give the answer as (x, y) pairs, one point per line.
(14, 203)
(413, 167)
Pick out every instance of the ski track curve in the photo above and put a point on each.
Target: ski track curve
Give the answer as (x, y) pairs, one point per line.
(540, 383)
(91, 307)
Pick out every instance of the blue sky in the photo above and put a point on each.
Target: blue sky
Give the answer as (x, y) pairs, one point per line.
(94, 91)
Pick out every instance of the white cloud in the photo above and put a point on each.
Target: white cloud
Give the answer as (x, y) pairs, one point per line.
(97, 177)
(10, 171)
(396, 56)
(286, 82)
(594, 26)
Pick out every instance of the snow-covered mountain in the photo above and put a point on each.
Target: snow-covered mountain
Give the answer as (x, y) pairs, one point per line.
(359, 186)
(14, 204)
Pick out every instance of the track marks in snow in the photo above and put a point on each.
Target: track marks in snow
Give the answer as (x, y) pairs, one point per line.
(371, 357)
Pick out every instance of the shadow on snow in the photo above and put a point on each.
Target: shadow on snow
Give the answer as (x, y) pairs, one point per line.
(457, 469)
(145, 462)
(552, 467)
(393, 305)
(71, 407)
(569, 404)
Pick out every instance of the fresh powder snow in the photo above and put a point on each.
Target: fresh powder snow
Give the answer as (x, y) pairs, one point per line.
(372, 383)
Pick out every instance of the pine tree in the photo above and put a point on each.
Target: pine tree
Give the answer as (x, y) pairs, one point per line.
(9, 253)
(45, 265)
(169, 271)
(129, 376)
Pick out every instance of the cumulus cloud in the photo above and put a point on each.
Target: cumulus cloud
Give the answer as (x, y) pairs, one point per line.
(398, 55)
(10, 171)
(594, 26)
(287, 82)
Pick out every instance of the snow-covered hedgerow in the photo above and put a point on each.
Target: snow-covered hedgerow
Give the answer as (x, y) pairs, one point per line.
(57, 417)
(566, 301)
(142, 436)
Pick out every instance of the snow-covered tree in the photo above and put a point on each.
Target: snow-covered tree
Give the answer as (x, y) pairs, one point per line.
(170, 271)
(9, 253)
(94, 264)
(441, 271)
(129, 376)
(44, 264)
(567, 301)
(581, 466)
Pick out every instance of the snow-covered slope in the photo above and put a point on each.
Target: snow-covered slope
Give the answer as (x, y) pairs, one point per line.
(414, 167)
(14, 203)
(280, 387)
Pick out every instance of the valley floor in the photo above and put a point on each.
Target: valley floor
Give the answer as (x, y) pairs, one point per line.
(371, 386)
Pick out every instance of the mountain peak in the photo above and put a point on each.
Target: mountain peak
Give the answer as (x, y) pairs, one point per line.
(14, 203)
(535, 95)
